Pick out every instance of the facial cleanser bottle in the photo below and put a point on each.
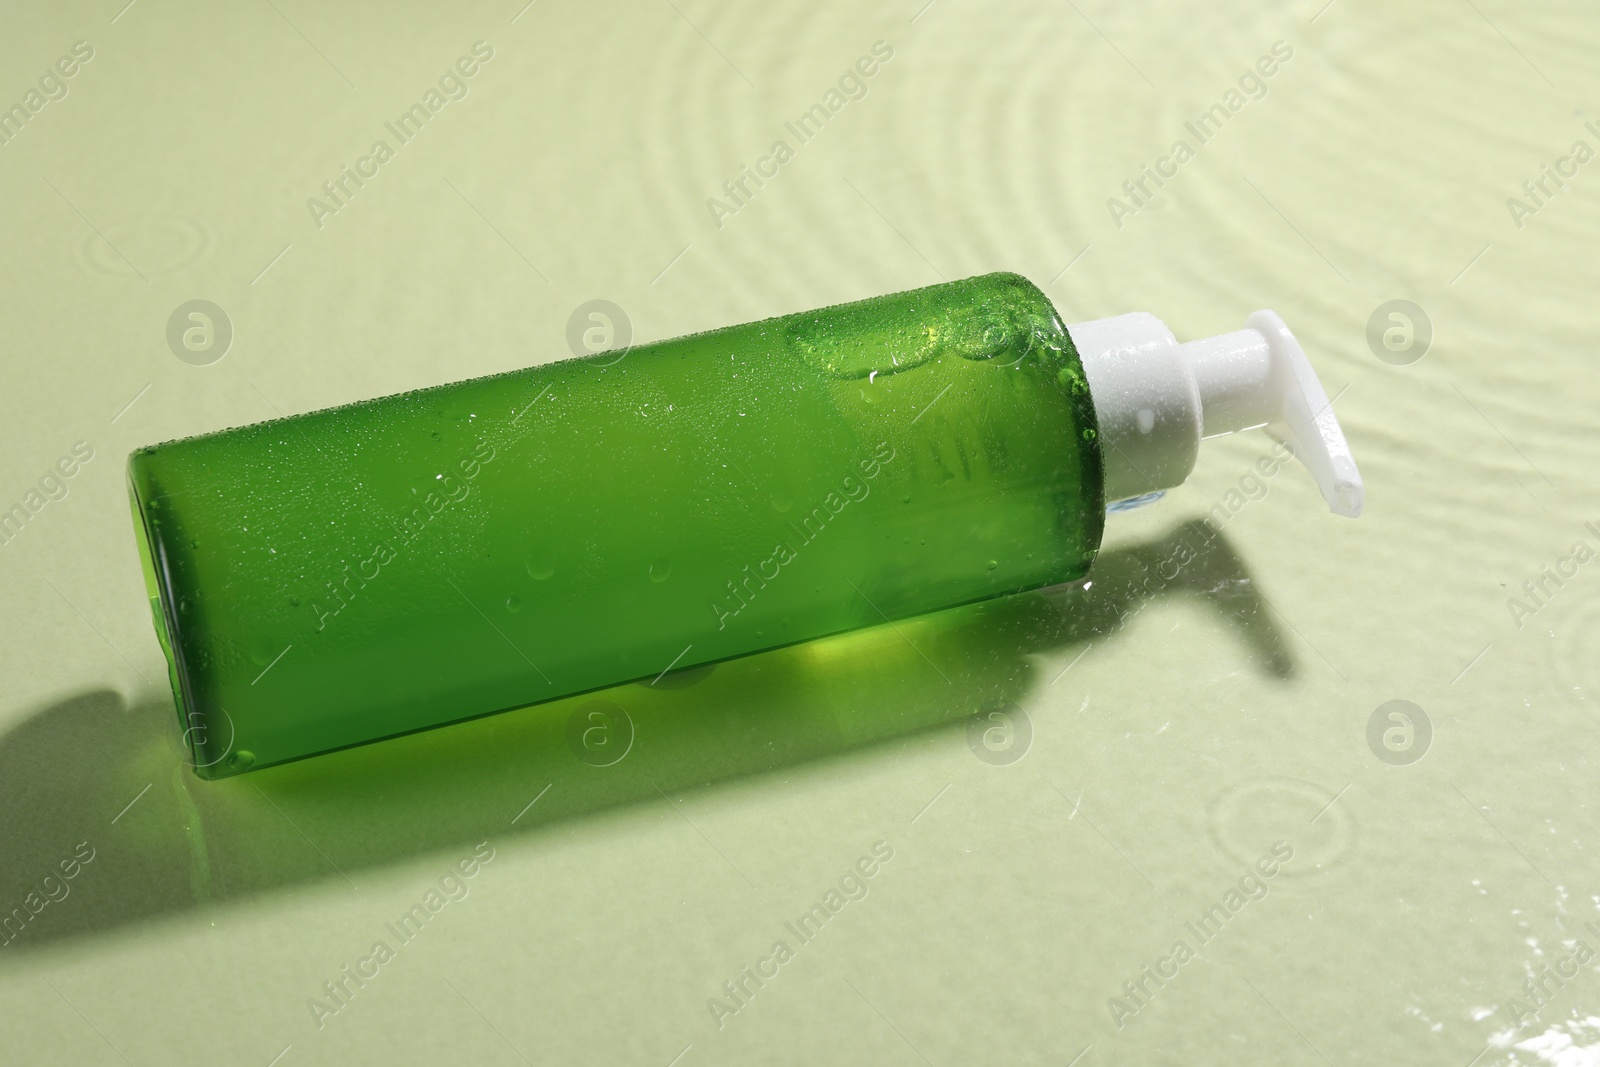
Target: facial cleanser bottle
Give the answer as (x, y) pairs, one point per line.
(347, 575)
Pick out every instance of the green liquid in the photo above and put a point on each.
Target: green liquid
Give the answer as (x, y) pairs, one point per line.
(352, 574)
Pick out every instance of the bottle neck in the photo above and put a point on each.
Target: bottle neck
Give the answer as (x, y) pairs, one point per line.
(1145, 400)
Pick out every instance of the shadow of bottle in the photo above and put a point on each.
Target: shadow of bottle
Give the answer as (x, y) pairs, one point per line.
(91, 773)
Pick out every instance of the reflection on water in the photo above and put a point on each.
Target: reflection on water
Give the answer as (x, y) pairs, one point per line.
(183, 843)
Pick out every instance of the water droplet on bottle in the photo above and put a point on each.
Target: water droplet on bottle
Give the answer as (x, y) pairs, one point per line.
(261, 652)
(661, 569)
(1071, 379)
(992, 564)
(781, 502)
(540, 564)
(1089, 434)
(513, 604)
(294, 602)
(242, 759)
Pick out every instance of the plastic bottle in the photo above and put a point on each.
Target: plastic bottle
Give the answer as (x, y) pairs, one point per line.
(352, 574)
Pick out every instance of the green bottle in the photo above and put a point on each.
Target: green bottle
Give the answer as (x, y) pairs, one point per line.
(347, 575)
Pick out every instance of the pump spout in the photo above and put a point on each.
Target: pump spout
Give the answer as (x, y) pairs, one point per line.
(1156, 400)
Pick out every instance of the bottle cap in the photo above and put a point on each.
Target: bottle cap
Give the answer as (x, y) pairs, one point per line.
(1156, 400)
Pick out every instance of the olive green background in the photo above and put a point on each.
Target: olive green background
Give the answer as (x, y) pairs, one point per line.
(1174, 722)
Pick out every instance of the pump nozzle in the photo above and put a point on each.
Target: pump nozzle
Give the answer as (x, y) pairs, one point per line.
(1156, 400)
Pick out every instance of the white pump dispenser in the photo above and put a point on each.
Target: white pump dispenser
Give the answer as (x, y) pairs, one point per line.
(1156, 400)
